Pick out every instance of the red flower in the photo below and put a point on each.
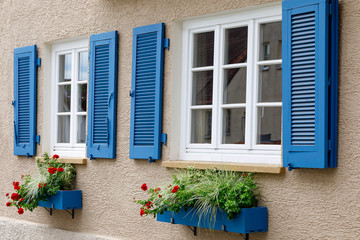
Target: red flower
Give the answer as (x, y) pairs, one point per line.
(142, 212)
(21, 211)
(16, 187)
(244, 175)
(52, 170)
(60, 169)
(22, 199)
(175, 189)
(40, 185)
(7, 194)
(16, 183)
(160, 195)
(15, 196)
(148, 204)
(55, 156)
(44, 184)
(157, 189)
(169, 185)
(8, 204)
(144, 187)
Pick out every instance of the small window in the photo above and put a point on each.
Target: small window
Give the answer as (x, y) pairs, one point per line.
(232, 96)
(69, 101)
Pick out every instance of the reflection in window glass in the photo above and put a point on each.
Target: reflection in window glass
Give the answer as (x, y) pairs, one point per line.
(234, 85)
(270, 41)
(81, 129)
(203, 49)
(269, 125)
(65, 68)
(236, 45)
(83, 66)
(64, 98)
(270, 83)
(82, 96)
(201, 126)
(202, 88)
(63, 133)
(234, 126)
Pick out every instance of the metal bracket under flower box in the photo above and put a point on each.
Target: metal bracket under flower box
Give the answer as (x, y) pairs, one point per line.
(249, 220)
(64, 200)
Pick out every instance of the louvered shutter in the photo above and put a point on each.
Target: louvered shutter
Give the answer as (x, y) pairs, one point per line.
(103, 55)
(146, 93)
(25, 72)
(310, 83)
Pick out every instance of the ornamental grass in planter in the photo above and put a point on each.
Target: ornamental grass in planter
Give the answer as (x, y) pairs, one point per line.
(52, 176)
(203, 194)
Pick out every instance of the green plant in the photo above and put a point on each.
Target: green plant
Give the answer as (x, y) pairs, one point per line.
(204, 190)
(51, 177)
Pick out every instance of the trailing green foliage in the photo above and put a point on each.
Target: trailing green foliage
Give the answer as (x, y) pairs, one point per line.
(204, 190)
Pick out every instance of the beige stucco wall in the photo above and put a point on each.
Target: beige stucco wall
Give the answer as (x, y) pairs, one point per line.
(303, 204)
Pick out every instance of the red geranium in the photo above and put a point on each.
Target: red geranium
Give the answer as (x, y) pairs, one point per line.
(52, 170)
(157, 189)
(160, 195)
(55, 156)
(244, 175)
(60, 169)
(8, 204)
(144, 187)
(16, 187)
(21, 199)
(40, 185)
(142, 212)
(21, 211)
(175, 189)
(7, 194)
(16, 183)
(15, 196)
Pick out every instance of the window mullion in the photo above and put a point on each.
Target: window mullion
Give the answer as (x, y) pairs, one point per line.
(256, 83)
(73, 99)
(216, 110)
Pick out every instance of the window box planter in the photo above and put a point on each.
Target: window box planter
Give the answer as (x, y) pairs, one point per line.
(249, 220)
(64, 200)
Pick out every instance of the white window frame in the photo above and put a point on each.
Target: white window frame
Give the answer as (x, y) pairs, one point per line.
(250, 152)
(71, 149)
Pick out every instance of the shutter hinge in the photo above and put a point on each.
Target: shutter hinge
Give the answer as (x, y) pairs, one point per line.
(330, 9)
(164, 138)
(38, 62)
(329, 145)
(167, 43)
(27, 155)
(91, 157)
(37, 139)
(151, 160)
(289, 167)
(132, 93)
(13, 102)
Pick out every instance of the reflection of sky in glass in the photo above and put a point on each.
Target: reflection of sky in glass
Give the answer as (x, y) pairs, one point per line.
(67, 68)
(83, 65)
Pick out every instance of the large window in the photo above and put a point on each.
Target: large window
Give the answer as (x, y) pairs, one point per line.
(69, 98)
(231, 92)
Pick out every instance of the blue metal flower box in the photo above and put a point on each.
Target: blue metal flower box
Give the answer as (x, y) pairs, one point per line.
(63, 200)
(249, 220)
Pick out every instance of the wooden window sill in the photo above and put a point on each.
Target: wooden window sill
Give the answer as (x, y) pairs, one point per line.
(79, 161)
(240, 167)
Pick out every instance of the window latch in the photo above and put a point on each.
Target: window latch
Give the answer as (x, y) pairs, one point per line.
(13, 102)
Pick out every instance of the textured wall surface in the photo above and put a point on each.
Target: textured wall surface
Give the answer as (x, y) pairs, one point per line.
(303, 204)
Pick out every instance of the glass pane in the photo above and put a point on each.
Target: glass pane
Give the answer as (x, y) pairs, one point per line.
(83, 66)
(269, 125)
(82, 96)
(81, 129)
(202, 88)
(203, 49)
(64, 98)
(235, 85)
(63, 134)
(236, 45)
(270, 41)
(201, 126)
(234, 126)
(65, 68)
(270, 83)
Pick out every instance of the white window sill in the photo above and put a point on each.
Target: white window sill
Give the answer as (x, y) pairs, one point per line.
(240, 167)
(78, 161)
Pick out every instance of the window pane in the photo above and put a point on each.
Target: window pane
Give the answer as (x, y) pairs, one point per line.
(236, 45)
(82, 96)
(234, 126)
(270, 83)
(269, 125)
(203, 49)
(202, 88)
(81, 129)
(235, 85)
(201, 126)
(64, 98)
(63, 134)
(83, 66)
(65, 68)
(270, 41)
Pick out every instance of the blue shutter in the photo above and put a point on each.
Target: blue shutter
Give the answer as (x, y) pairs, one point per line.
(103, 54)
(310, 38)
(146, 92)
(25, 68)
